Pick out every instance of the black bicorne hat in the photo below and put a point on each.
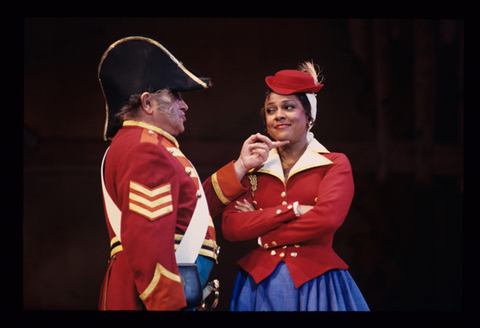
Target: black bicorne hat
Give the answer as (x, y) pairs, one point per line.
(138, 64)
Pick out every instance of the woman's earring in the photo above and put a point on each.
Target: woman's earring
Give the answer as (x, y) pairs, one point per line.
(310, 123)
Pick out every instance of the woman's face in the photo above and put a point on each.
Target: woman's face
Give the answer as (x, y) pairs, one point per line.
(285, 118)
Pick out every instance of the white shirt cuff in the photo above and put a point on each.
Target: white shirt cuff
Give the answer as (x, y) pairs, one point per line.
(295, 209)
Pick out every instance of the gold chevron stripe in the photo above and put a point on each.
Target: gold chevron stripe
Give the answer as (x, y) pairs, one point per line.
(150, 192)
(152, 215)
(142, 200)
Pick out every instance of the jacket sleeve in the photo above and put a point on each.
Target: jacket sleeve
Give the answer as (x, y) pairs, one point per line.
(222, 188)
(250, 225)
(148, 194)
(334, 196)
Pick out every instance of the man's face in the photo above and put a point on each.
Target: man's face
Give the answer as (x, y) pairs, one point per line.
(170, 112)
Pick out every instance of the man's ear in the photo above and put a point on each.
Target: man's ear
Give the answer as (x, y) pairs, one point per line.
(147, 105)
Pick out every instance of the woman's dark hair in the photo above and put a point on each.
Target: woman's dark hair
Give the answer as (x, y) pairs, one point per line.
(302, 97)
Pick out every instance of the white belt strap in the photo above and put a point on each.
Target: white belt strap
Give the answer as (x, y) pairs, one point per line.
(114, 214)
(192, 240)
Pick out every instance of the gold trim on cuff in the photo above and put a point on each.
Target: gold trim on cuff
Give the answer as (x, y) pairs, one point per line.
(218, 190)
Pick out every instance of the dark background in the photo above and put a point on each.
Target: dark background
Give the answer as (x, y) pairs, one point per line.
(392, 102)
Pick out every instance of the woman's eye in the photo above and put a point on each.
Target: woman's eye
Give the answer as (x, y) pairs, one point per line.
(270, 110)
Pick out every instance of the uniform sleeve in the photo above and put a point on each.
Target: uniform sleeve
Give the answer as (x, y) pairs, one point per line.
(334, 197)
(222, 188)
(250, 225)
(148, 192)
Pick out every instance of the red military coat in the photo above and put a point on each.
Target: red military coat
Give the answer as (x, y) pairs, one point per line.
(319, 178)
(155, 187)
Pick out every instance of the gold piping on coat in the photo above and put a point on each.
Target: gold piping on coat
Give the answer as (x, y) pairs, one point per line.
(159, 271)
(218, 190)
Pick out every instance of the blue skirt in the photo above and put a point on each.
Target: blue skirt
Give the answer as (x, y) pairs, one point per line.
(335, 290)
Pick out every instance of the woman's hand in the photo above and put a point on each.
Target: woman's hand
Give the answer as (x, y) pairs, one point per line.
(254, 153)
(244, 206)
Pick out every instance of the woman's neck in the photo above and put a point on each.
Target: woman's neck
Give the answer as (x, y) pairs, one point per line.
(290, 154)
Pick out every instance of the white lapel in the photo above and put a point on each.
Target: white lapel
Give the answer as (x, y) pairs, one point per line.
(310, 158)
(273, 165)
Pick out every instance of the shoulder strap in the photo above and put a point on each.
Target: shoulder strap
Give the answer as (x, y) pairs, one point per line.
(194, 236)
(114, 215)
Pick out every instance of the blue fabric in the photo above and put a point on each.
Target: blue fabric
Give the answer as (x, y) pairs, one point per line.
(335, 290)
(204, 266)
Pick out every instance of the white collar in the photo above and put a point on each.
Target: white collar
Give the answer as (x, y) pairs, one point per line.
(310, 158)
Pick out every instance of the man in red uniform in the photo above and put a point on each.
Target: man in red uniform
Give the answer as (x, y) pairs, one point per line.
(151, 183)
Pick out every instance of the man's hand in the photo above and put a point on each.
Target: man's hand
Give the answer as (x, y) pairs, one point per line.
(254, 153)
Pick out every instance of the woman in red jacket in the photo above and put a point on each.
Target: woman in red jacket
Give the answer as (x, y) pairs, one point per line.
(295, 203)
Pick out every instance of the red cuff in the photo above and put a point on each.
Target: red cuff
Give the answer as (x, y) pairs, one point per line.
(226, 184)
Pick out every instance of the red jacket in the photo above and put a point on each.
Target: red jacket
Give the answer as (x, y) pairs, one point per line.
(319, 178)
(155, 188)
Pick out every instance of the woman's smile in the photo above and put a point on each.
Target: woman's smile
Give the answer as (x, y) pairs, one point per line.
(281, 126)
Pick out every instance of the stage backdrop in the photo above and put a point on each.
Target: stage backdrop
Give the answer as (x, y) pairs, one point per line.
(392, 102)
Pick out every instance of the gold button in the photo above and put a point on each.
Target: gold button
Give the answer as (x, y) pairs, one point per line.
(297, 246)
(289, 207)
(315, 199)
(274, 243)
(171, 150)
(265, 245)
(279, 211)
(273, 253)
(254, 202)
(282, 254)
(199, 194)
(283, 194)
(284, 247)
(284, 203)
(188, 170)
(294, 254)
(261, 209)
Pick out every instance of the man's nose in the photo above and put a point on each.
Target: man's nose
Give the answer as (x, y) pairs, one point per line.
(183, 105)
